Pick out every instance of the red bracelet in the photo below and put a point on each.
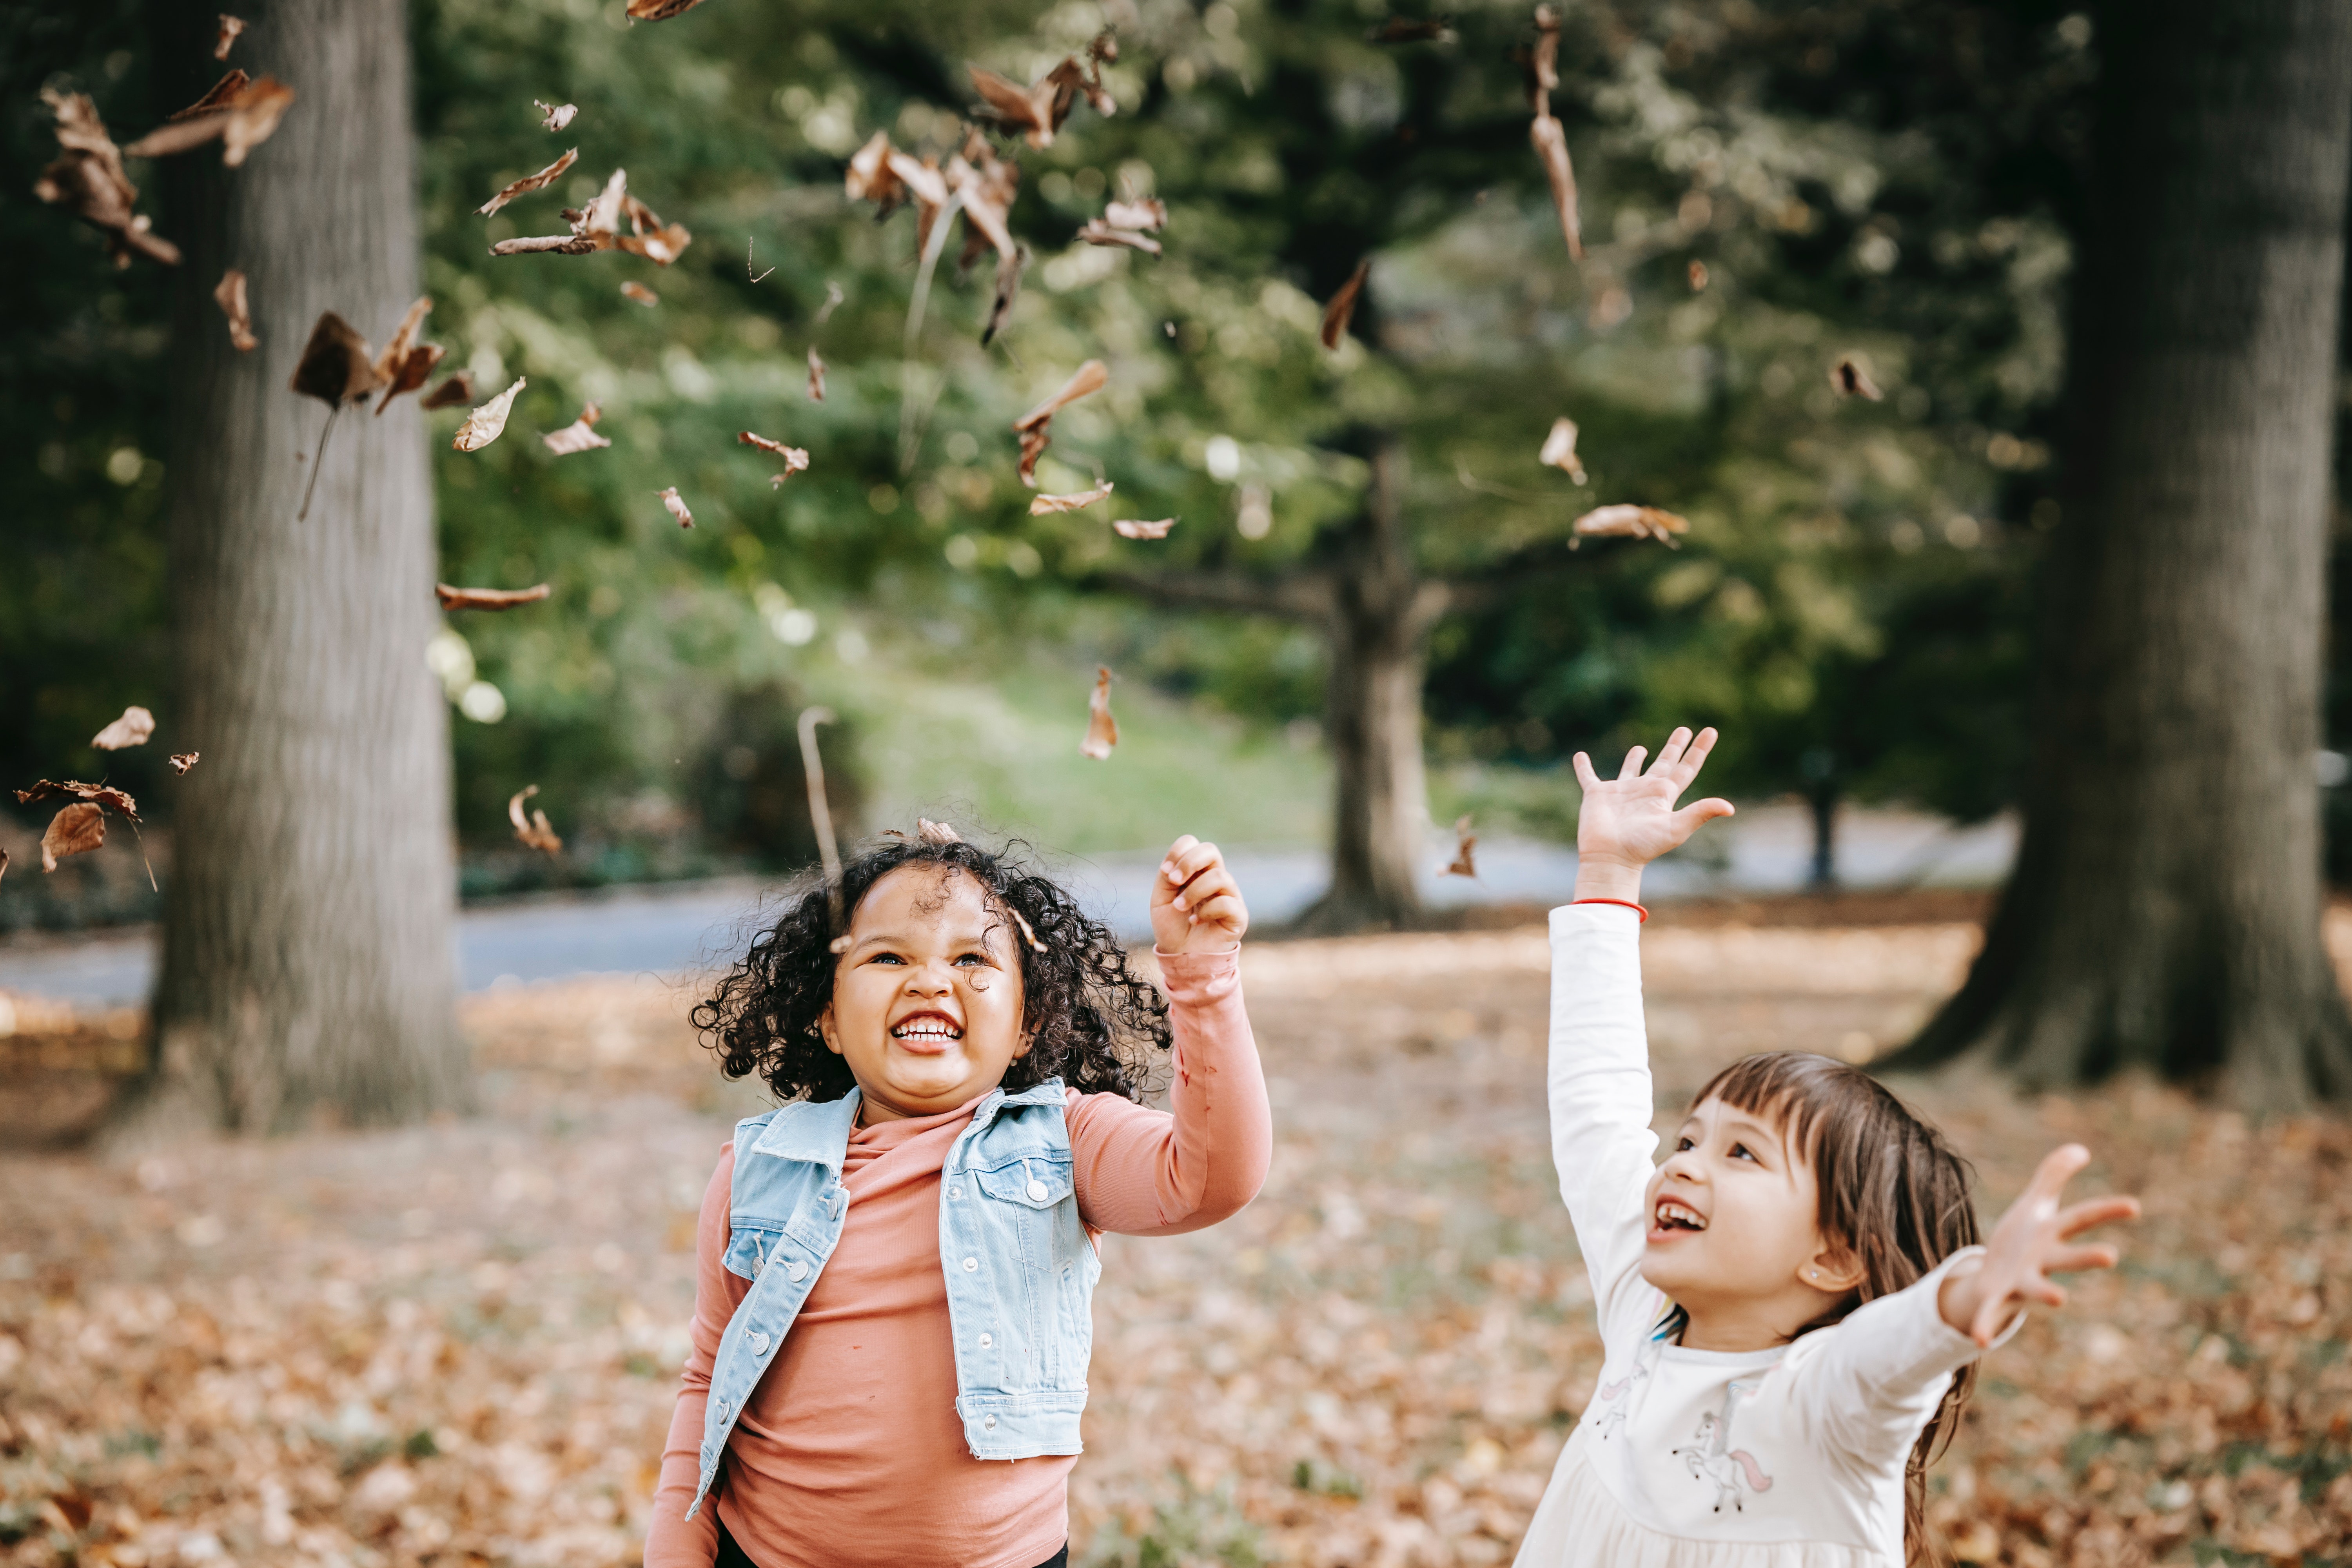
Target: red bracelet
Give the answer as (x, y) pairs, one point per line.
(1628, 903)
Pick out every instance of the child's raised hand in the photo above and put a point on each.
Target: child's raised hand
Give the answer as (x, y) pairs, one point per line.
(2033, 1240)
(1196, 903)
(1629, 821)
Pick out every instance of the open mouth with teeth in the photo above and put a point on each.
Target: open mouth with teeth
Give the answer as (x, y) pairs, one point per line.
(927, 1031)
(1674, 1217)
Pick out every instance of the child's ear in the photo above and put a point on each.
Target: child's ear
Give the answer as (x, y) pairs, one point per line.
(825, 1028)
(1834, 1270)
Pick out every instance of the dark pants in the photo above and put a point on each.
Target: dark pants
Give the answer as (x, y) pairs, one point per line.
(731, 1555)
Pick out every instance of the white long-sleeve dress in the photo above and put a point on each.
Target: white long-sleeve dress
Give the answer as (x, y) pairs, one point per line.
(1790, 1457)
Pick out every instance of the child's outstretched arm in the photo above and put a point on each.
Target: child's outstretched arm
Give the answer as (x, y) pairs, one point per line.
(1159, 1172)
(1601, 1101)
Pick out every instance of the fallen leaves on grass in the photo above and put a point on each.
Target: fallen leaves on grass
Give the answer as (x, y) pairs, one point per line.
(533, 831)
(1850, 378)
(1035, 428)
(1040, 506)
(1102, 730)
(242, 116)
(555, 116)
(633, 289)
(816, 377)
(229, 295)
(457, 389)
(489, 598)
(1559, 450)
(1465, 861)
(531, 183)
(1629, 521)
(75, 830)
(86, 178)
(580, 436)
(181, 762)
(670, 499)
(1132, 528)
(230, 27)
(485, 424)
(1342, 308)
(134, 728)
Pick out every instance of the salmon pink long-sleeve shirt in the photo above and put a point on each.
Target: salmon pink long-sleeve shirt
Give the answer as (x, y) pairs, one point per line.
(850, 1452)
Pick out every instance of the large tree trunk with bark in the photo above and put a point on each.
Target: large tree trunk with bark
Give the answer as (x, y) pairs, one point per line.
(2165, 911)
(308, 961)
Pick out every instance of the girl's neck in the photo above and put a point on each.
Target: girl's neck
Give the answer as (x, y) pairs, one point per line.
(1744, 1326)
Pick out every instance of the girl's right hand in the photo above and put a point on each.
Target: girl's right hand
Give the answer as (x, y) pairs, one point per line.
(1629, 821)
(2033, 1240)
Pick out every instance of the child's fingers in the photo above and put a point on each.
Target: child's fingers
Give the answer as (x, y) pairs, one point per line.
(1632, 768)
(2057, 1168)
(2093, 1212)
(1224, 910)
(1210, 882)
(1186, 858)
(1585, 777)
(1688, 820)
(2075, 1260)
(1167, 861)
(1696, 758)
(1672, 751)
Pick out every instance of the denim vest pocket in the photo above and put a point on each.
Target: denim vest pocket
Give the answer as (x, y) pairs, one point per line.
(750, 1247)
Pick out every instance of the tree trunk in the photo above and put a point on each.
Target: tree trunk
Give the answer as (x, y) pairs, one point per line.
(2166, 908)
(308, 961)
(1380, 620)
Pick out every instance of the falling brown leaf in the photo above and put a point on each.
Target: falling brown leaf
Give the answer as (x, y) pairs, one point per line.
(484, 425)
(1698, 276)
(1136, 215)
(531, 183)
(669, 498)
(243, 119)
(1551, 146)
(841, 944)
(659, 10)
(1028, 931)
(3, 862)
(1039, 506)
(1543, 63)
(1412, 30)
(87, 177)
(1342, 308)
(459, 389)
(1631, 523)
(1038, 109)
(1464, 864)
(181, 762)
(1035, 428)
(1131, 528)
(929, 832)
(1559, 450)
(816, 377)
(555, 116)
(489, 598)
(106, 795)
(1848, 376)
(230, 27)
(832, 298)
(597, 227)
(1102, 730)
(76, 830)
(1008, 289)
(337, 366)
(580, 436)
(1098, 231)
(552, 243)
(230, 295)
(132, 729)
(795, 459)
(534, 831)
(633, 289)
(405, 363)
(220, 95)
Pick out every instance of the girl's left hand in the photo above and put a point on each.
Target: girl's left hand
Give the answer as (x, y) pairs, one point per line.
(2033, 1240)
(1195, 905)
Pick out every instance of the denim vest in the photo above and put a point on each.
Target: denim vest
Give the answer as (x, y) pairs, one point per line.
(1020, 1269)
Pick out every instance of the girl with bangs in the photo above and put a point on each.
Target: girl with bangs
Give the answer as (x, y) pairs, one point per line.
(1792, 1305)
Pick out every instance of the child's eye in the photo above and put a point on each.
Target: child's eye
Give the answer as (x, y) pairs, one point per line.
(1682, 1143)
(974, 958)
(886, 958)
(1741, 1151)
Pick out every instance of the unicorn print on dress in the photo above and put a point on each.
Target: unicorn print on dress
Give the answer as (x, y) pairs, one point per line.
(1613, 1419)
(1711, 1457)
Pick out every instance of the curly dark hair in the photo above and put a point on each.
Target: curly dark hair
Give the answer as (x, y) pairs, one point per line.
(1092, 1020)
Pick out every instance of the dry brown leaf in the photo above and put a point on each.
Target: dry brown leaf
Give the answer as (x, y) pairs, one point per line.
(670, 499)
(1412, 30)
(555, 116)
(795, 459)
(489, 598)
(1630, 521)
(531, 183)
(816, 377)
(412, 373)
(87, 177)
(534, 831)
(1039, 506)
(484, 425)
(1698, 276)
(132, 729)
(1096, 231)
(457, 389)
(841, 944)
(106, 795)
(633, 289)
(649, 237)
(1028, 109)
(1028, 931)
(230, 297)
(75, 830)
(220, 95)
(1342, 308)
(580, 436)
(598, 227)
(1008, 289)
(181, 762)
(1559, 450)
(1035, 428)
(1134, 527)
(548, 244)
(1848, 376)
(659, 10)
(230, 27)
(1102, 730)
(404, 363)
(242, 119)
(1551, 146)
(929, 832)
(3, 862)
(1543, 65)
(337, 366)
(870, 177)
(1138, 215)
(1465, 863)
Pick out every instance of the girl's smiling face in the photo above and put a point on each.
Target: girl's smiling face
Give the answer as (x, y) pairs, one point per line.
(926, 999)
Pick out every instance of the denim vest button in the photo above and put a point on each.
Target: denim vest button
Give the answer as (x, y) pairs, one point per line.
(986, 1341)
(970, 1265)
(759, 1343)
(1036, 1192)
(956, 1191)
(989, 1422)
(796, 1271)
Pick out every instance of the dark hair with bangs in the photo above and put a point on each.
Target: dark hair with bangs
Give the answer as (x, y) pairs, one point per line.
(1892, 1193)
(1092, 1021)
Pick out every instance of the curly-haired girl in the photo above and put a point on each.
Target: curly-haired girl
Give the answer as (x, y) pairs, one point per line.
(891, 1322)
(1792, 1305)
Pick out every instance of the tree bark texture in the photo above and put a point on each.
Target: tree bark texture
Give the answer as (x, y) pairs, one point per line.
(2165, 911)
(308, 964)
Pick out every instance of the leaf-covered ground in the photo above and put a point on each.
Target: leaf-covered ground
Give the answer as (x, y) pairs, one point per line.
(457, 1343)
